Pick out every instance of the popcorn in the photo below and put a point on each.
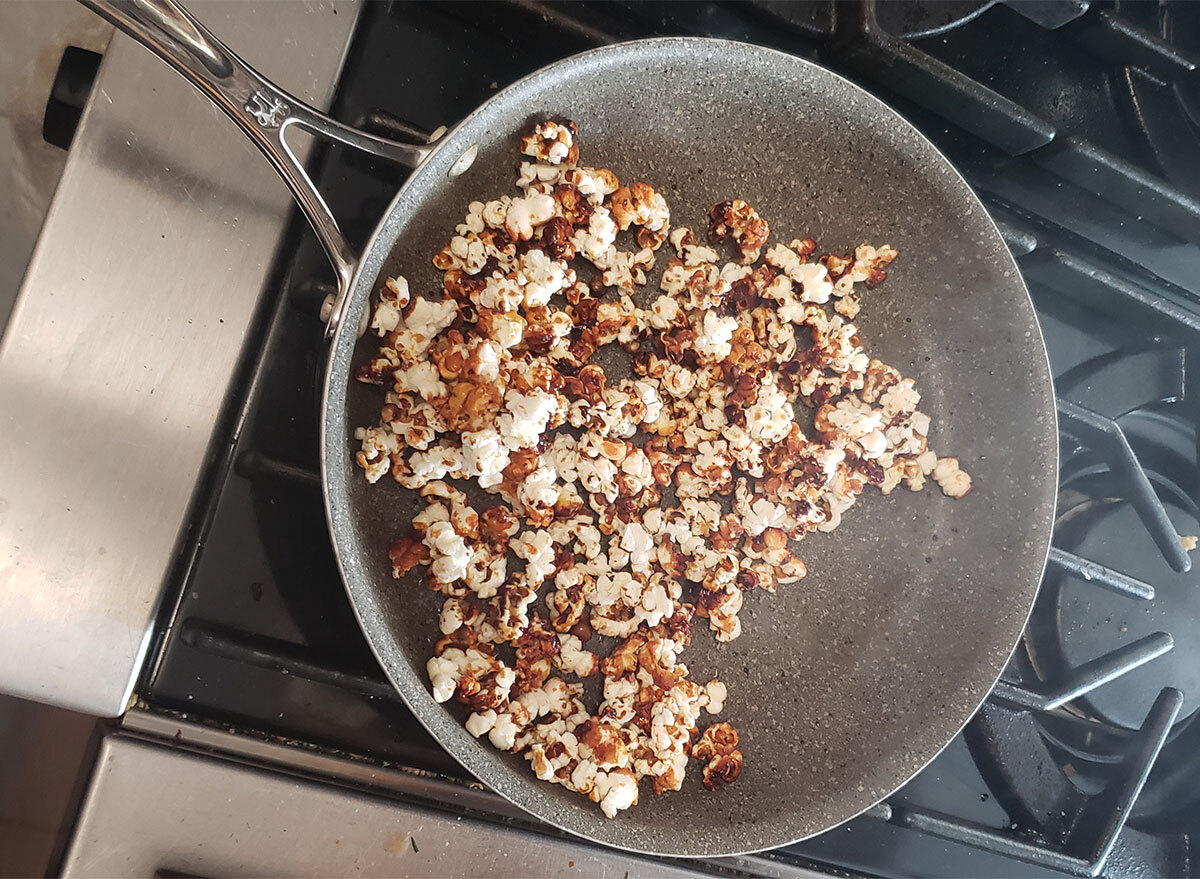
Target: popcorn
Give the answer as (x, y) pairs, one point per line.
(524, 214)
(449, 551)
(500, 293)
(423, 378)
(737, 220)
(465, 672)
(678, 381)
(486, 572)
(552, 143)
(953, 481)
(393, 298)
(717, 693)
(574, 659)
(813, 278)
(424, 321)
(664, 312)
(526, 419)
(597, 240)
(718, 745)
(537, 177)
(484, 456)
(595, 184)
(713, 335)
(538, 490)
(764, 514)
(478, 384)
(640, 205)
(543, 277)
(503, 732)
(466, 252)
(507, 330)
(378, 445)
(421, 468)
(616, 791)
(639, 545)
(537, 549)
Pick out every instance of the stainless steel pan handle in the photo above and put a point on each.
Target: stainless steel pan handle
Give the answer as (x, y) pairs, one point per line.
(261, 109)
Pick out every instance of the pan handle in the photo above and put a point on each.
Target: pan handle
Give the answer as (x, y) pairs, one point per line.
(261, 109)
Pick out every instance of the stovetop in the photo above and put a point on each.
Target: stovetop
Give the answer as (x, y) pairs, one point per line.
(1078, 126)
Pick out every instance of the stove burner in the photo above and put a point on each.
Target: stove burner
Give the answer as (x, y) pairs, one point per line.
(923, 19)
(1088, 621)
(1075, 622)
(1181, 28)
(1111, 651)
(910, 19)
(1163, 99)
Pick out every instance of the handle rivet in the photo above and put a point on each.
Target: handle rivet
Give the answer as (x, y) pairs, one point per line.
(463, 162)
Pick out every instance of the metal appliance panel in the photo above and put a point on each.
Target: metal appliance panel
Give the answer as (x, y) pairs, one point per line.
(125, 336)
(184, 814)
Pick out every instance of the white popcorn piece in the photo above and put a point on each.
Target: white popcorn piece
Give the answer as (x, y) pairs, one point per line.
(717, 693)
(954, 481)
(503, 733)
(543, 277)
(501, 293)
(617, 790)
(713, 336)
(450, 553)
(526, 418)
(574, 659)
(594, 184)
(485, 456)
(639, 545)
(537, 549)
(596, 242)
(525, 214)
(479, 723)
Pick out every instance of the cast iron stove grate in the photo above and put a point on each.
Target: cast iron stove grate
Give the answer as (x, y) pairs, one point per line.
(1076, 123)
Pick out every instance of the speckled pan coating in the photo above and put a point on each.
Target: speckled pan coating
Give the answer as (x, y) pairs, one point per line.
(845, 685)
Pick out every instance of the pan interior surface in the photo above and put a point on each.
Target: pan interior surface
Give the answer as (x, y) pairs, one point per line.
(842, 686)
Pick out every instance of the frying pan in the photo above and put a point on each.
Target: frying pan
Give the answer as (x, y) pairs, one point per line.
(847, 684)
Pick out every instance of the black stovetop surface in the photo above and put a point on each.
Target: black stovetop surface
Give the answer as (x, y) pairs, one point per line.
(1078, 127)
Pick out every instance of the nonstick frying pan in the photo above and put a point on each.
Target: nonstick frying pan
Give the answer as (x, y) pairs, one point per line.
(842, 686)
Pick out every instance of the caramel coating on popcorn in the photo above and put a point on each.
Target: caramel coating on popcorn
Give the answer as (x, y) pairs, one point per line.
(624, 508)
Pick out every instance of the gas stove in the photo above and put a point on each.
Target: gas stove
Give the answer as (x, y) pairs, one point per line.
(1079, 125)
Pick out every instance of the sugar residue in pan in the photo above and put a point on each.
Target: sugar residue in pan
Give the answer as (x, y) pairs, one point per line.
(603, 465)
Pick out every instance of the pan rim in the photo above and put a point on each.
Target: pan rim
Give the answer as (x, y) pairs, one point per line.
(362, 287)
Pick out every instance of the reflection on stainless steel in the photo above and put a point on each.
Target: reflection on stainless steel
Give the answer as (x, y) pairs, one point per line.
(303, 827)
(261, 109)
(210, 817)
(408, 782)
(115, 362)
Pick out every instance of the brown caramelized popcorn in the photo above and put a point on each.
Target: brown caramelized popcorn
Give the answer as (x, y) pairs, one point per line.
(631, 500)
(737, 220)
(718, 747)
